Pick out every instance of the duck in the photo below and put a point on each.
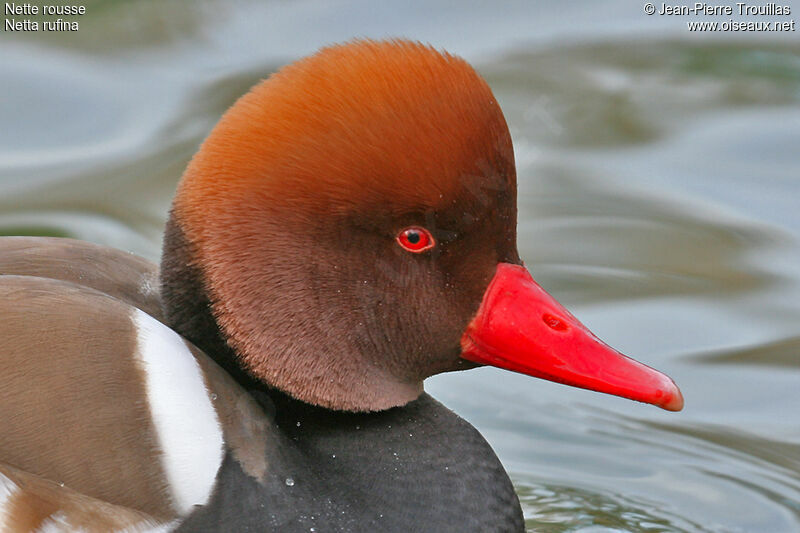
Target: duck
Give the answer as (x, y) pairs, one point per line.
(347, 230)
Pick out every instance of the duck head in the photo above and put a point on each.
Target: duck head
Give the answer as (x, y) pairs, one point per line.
(349, 229)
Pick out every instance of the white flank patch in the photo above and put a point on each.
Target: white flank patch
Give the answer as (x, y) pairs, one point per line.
(7, 490)
(188, 429)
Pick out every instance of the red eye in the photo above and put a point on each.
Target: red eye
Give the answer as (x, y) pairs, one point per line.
(416, 239)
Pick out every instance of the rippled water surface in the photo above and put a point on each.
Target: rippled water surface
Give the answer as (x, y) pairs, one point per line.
(659, 199)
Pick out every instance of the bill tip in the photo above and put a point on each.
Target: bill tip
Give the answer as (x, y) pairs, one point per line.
(673, 400)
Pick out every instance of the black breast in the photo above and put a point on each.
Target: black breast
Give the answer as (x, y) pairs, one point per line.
(416, 468)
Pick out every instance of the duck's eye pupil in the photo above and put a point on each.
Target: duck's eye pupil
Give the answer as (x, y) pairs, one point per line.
(416, 239)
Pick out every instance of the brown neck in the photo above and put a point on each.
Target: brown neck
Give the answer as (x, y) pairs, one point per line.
(329, 373)
(186, 306)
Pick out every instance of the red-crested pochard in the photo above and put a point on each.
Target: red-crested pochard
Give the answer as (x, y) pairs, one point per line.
(347, 230)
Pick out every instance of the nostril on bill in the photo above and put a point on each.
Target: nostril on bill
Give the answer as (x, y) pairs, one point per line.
(554, 322)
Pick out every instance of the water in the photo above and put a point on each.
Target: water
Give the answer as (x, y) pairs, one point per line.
(659, 184)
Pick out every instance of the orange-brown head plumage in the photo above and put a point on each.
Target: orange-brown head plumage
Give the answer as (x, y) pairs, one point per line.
(294, 199)
(394, 122)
